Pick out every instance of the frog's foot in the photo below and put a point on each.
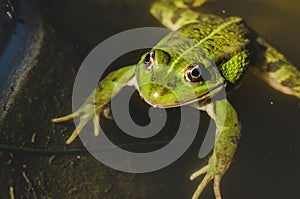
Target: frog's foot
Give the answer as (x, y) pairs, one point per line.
(174, 14)
(186, 4)
(107, 113)
(86, 113)
(97, 102)
(277, 71)
(214, 170)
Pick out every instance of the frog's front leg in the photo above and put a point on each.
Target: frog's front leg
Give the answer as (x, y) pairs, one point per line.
(227, 137)
(174, 14)
(97, 101)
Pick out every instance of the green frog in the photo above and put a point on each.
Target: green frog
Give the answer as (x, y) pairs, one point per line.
(165, 76)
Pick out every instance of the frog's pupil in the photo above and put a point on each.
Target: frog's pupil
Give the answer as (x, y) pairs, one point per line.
(147, 58)
(196, 72)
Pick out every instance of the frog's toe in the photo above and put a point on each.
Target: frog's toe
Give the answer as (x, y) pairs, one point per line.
(65, 118)
(96, 121)
(83, 121)
(211, 173)
(199, 172)
(217, 182)
(201, 187)
(86, 113)
(106, 112)
(209, 176)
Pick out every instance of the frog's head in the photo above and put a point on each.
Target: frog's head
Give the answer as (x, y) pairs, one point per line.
(168, 79)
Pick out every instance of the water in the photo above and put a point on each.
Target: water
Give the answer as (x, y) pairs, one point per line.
(264, 167)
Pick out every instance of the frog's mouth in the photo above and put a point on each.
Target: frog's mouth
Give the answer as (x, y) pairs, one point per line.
(170, 101)
(208, 95)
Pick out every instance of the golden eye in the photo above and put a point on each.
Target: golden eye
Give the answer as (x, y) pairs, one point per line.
(149, 60)
(193, 73)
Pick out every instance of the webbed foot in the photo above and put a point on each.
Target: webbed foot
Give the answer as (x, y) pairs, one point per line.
(213, 171)
(86, 113)
(97, 103)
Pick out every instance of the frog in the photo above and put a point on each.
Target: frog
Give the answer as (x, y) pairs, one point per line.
(184, 72)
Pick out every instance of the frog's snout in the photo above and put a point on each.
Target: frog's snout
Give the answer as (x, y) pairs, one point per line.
(158, 95)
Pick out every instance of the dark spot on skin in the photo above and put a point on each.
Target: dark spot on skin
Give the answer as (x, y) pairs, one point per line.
(189, 4)
(233, 139)
(175, 18)
(156, 88)
(210, 40)
(273, 66)
(288, 83)
(164, 91)
(114, 79)
(159, 15)
(176, 80)
(100, 87)
(170, 85)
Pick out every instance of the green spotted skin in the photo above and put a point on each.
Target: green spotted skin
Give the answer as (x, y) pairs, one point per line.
(220, 45)
(222, 50)
(266, 62)
(225, 41)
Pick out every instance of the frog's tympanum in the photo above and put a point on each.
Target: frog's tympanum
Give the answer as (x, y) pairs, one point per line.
(165, 76)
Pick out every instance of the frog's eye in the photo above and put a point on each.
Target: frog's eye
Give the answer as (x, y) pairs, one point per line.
(149, 60)
(193, 73)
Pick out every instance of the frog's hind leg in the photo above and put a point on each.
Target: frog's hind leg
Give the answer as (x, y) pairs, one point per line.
(174, 14)
(277, 71)
(227, 138)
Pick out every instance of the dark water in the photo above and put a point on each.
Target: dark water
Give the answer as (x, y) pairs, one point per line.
(266, 165)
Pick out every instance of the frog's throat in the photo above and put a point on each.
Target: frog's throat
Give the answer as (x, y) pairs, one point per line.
(208, 95)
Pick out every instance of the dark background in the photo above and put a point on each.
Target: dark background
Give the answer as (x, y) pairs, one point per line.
(266, 165)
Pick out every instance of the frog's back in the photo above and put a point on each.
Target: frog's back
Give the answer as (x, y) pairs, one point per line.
(225, 40)
(217, 35)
